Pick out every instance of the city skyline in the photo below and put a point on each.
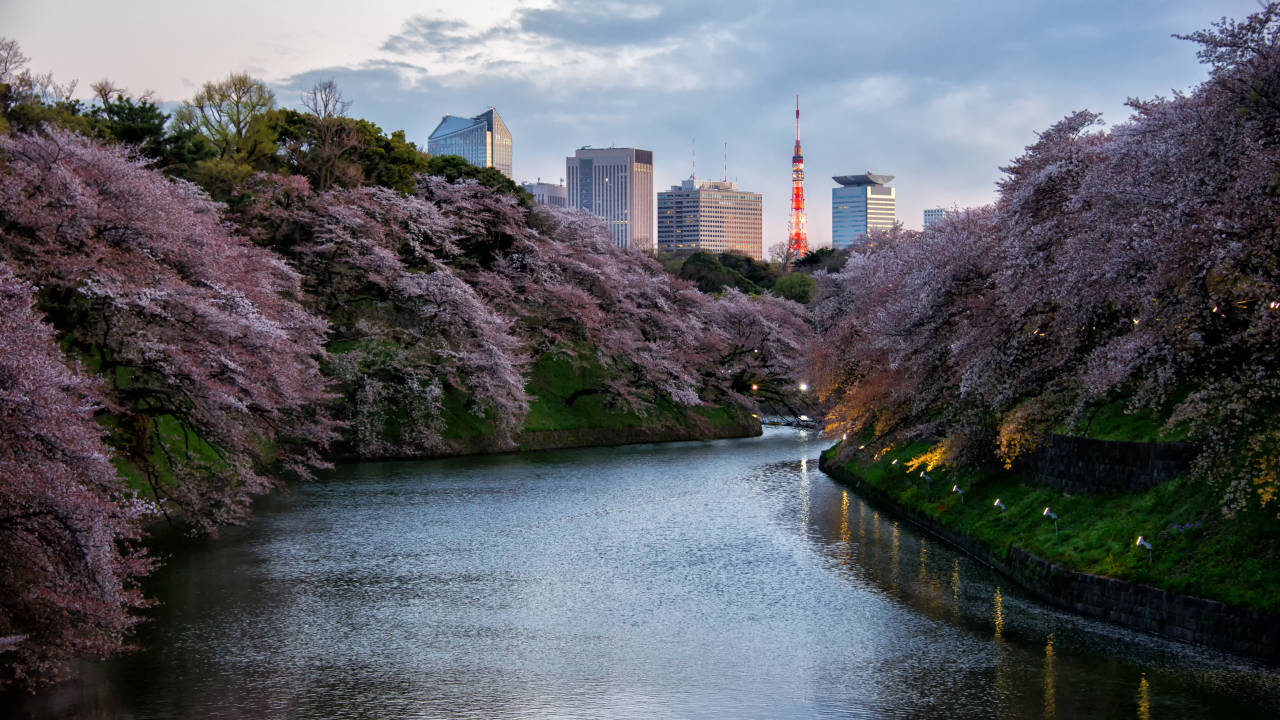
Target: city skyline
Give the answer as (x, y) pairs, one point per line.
(943, 96)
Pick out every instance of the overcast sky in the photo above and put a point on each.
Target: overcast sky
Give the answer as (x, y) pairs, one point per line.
(939, 94)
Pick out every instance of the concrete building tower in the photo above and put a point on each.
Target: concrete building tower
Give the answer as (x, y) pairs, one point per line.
(616, 185)
(714, 216)
(547, 194)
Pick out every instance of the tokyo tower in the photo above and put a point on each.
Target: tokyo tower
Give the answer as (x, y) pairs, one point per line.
(797, 236)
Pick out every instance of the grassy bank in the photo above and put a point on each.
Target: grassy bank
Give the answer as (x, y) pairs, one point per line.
(1196, 551)
(566, 397)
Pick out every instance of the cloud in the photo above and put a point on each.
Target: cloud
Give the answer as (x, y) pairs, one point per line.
(422, 35)
(940, 96)
(615, 23)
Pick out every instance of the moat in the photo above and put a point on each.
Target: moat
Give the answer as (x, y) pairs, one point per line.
(694, 580)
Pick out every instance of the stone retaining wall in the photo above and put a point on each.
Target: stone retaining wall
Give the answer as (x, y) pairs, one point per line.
(1083, 466)
(1180, 617)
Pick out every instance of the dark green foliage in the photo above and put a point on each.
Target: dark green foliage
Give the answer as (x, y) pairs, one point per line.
(796, 286)
(390, 161)
(828, 259)
(139, 123)
(760, 273)
(712, 276)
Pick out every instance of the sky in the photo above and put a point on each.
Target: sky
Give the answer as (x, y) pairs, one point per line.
(939, 94)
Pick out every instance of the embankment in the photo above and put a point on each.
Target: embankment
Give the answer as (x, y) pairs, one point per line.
(1242, 630)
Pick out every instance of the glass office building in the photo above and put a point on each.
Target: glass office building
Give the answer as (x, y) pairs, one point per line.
(710, 215)
(861, 204)
(615, 184)
(483, 140)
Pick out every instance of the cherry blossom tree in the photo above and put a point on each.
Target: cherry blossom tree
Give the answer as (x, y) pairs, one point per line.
(1135, 265)
(211, 366)
(409, 336)
(68, 527)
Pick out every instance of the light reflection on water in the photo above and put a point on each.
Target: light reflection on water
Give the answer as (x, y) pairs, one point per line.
(719, 579)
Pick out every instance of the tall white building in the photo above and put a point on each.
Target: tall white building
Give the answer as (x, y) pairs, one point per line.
(861, 204)
(933, 215)
(710, 215)
(615, 184)
(483, 140)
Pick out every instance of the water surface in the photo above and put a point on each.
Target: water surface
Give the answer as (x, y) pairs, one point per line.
(727, 579)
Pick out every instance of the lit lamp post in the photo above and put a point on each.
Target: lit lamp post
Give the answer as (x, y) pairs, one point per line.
(927, 480)
(1143, 543)
(1002, 508)
(956, 489)
(1052, 514)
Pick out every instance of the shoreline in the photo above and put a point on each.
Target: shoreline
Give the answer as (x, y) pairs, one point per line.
(1185, 618)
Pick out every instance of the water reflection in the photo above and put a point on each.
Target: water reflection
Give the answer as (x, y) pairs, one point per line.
(997, 614)
(1050, 705)
(1031, 670)
(1144, 699)
(699, 580)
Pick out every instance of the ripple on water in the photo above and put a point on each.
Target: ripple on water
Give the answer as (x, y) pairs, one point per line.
(696, 580)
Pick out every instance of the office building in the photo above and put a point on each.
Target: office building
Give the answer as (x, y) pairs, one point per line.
(483, 140)
(713, 216)
(616, 185)
(933, 215)
(861, 204)
(547, 194)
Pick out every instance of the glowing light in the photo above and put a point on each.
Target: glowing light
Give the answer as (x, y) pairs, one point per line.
(804, 387)
(997, 613)
(754, 387)
(895, 462)
(1144, 699)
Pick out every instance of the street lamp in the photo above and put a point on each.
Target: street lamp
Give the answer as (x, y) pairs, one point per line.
(1143, 543)
(1001, 506)
(1052, 514)
(956, 489)
(804, 387)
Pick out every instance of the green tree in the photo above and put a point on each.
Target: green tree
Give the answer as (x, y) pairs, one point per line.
(225, 113)
(711, 276)
(795, 286)
(757, 272)
(389, 161)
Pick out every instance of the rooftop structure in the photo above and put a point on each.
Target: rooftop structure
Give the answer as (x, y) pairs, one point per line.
(861, 204)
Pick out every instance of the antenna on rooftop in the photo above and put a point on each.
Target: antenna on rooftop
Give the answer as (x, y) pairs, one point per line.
(693, 152)
(726, 161)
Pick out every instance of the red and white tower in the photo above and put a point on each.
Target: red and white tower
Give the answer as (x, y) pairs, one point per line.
(797, 235)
